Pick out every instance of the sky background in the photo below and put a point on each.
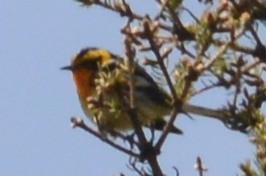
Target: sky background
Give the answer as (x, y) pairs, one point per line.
(37, 99)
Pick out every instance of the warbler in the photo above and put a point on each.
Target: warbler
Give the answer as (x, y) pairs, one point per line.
(102, 84)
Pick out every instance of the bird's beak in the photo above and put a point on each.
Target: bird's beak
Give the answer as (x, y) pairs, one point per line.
(69, 67)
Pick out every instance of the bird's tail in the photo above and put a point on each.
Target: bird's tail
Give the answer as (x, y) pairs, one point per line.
(203, 111)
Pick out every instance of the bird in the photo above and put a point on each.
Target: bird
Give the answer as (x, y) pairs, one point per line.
(102, 78)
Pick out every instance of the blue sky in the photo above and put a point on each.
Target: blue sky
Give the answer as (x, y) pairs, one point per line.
(37, 99)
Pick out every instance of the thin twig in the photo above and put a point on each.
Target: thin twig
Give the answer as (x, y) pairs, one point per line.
(80, 123)
(147, 150)
(133, 115)
(200, 167)
(167, 129)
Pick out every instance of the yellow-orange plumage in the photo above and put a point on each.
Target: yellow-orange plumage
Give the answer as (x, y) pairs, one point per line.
(100, 77)
(84, 82)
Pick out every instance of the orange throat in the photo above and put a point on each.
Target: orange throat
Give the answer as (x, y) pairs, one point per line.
(84, 81)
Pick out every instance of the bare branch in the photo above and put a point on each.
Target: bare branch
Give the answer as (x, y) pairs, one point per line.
(80, 123)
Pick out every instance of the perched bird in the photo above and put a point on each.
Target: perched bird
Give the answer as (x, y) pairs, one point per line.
(102, 83)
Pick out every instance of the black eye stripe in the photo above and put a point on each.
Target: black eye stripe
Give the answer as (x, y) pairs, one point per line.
(91, 64)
